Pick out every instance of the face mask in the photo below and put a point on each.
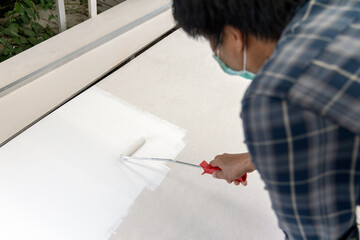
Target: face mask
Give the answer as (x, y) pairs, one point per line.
(243, 73)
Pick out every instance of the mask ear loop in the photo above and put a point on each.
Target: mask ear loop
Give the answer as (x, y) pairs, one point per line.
(219, 44)
(245, 54)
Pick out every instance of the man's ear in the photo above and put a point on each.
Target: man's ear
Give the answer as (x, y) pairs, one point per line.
(233, 38)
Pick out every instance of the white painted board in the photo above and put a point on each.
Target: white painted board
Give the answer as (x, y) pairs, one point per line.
(63, 178)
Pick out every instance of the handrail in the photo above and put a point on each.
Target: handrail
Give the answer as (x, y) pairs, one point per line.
(71, 56)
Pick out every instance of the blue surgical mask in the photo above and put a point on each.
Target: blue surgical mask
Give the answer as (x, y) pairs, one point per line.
(243, 73)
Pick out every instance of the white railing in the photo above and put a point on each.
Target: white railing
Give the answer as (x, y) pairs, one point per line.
(60, 6)
(34, 87)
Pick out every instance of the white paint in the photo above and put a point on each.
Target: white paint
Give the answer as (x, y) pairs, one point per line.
(62, 178)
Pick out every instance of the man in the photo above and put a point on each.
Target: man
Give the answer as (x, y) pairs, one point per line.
(301, 113)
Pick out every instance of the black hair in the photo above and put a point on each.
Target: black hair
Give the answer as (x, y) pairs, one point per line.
(265, 19)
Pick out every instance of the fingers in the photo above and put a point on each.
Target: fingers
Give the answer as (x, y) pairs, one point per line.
(237, 183)
(219, 174)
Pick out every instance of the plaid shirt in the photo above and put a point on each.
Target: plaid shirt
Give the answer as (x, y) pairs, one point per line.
(301, 116)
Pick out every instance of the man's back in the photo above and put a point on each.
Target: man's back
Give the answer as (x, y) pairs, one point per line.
(302, 122)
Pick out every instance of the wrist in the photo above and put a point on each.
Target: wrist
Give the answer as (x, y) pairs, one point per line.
(250, 167)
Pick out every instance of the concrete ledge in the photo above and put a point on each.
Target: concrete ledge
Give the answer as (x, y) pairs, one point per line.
(24, 105)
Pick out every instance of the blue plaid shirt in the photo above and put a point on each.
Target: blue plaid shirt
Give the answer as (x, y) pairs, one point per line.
(301, 117)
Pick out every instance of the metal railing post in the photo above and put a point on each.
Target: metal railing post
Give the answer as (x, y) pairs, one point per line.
(60, 5)
(92, 8)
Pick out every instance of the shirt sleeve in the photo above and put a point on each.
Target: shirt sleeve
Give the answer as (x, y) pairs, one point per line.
(306, 163)
(267, 136)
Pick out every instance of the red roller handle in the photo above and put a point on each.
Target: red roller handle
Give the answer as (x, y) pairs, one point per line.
(210, 169)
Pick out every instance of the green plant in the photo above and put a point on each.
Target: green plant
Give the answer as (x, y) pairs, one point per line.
(22, 30)
(45, 4)
(5, 6)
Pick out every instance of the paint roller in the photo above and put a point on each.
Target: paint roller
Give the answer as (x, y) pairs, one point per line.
(127, 155)
(133, 147)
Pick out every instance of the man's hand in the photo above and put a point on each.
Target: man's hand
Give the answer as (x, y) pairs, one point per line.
(233, 166)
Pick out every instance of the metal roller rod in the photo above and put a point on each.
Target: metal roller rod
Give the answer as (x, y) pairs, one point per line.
(159, 159)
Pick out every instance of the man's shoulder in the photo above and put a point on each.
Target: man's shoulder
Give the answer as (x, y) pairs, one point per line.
(317, 31)
(316, 63)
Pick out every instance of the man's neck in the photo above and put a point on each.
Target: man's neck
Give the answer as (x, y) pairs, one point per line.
(259, 51)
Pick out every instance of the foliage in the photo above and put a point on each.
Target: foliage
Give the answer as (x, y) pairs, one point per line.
(22, 30)
(5, 6)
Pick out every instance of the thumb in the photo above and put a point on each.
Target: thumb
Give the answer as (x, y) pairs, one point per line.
(219, 174)
(217, 162)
